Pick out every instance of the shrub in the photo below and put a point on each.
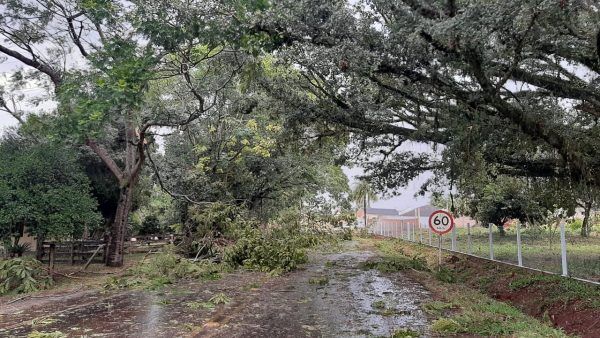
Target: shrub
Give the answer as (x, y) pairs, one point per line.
(165, 268)
(444, 325)
(277, 249)
(575, 224)
(446, 275)
(17, 250)
(22, 275)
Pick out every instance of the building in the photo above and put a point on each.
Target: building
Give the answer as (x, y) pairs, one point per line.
(426, 210)
(375, 215)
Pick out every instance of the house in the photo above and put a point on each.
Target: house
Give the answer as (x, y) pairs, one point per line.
(424, 211)
(375, 215)
(420, 214)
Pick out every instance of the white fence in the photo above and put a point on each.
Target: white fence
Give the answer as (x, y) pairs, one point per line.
(481, 242)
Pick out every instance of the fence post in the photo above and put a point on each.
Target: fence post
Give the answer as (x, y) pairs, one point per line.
(469, 243)
(429, 233)
(519, 253)
(563, 248)
(51, 258)
(414, 232)
(402, 229)
(454, 238)
(491, 237)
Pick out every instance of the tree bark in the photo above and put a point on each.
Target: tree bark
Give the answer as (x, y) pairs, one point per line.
(365, 210)
(118, 228)
(127, 180)
(585, 226)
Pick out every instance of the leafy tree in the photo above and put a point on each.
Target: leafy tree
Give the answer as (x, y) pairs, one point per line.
(515, 81)
(241, 159)
(43, 191)
(100, 58)
(363, 194)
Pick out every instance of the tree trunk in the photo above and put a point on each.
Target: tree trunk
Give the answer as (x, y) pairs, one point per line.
(365, 211)
(39, 247)
(118, 228)
(501, 230)
(127, 180)
(585, 226)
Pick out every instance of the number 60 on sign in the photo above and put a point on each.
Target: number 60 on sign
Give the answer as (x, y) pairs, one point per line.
(441, 222)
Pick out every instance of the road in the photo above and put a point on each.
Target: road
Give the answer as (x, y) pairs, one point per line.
(329, 297)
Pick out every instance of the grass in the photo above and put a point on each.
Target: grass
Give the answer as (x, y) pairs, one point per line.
(458, 308)
(540, 249)
(405, 333)
(560, 289)
(320, 280)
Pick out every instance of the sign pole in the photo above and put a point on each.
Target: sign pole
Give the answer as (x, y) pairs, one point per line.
(441, 222)
(440, 252)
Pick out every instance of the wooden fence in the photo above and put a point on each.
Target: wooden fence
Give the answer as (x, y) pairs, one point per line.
(94, 251)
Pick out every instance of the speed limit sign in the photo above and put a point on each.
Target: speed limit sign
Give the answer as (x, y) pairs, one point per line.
(441, 222)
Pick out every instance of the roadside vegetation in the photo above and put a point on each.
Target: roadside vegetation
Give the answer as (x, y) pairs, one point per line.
(540, 248)
(472, 296)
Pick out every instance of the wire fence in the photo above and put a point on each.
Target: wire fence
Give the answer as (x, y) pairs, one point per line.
(556, 250)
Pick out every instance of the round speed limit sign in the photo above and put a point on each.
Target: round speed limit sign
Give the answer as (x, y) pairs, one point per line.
(441, 222)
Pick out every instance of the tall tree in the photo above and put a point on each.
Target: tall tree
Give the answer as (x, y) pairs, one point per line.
(515, 80)
(43, 191)
(100, 57)
(363, 194)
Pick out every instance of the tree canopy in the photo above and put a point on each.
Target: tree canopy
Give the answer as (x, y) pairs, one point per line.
(43, 191)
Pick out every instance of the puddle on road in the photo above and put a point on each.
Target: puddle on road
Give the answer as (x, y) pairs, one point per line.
(359, 303)
(401, 303)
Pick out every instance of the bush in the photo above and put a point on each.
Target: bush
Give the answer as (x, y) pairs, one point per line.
(277, 249)
(17, 250)
(575, 224)
(444, 325)
(165, 268)
(22, 275)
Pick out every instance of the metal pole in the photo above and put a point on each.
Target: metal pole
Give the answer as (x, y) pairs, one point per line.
(469, 243)
(429, 233)
(440, 252)
(419, 225)
(402, 229)
(519, 253)
(563, 248)
(491, 236)
(454, 238)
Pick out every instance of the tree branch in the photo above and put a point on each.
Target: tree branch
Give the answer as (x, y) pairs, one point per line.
(44, 68)
(107, 159)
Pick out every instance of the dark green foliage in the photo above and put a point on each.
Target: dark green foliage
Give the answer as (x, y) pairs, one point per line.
(43, 191)
(16, 249)
(20, 275)
(444, 274)
(276, 249)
